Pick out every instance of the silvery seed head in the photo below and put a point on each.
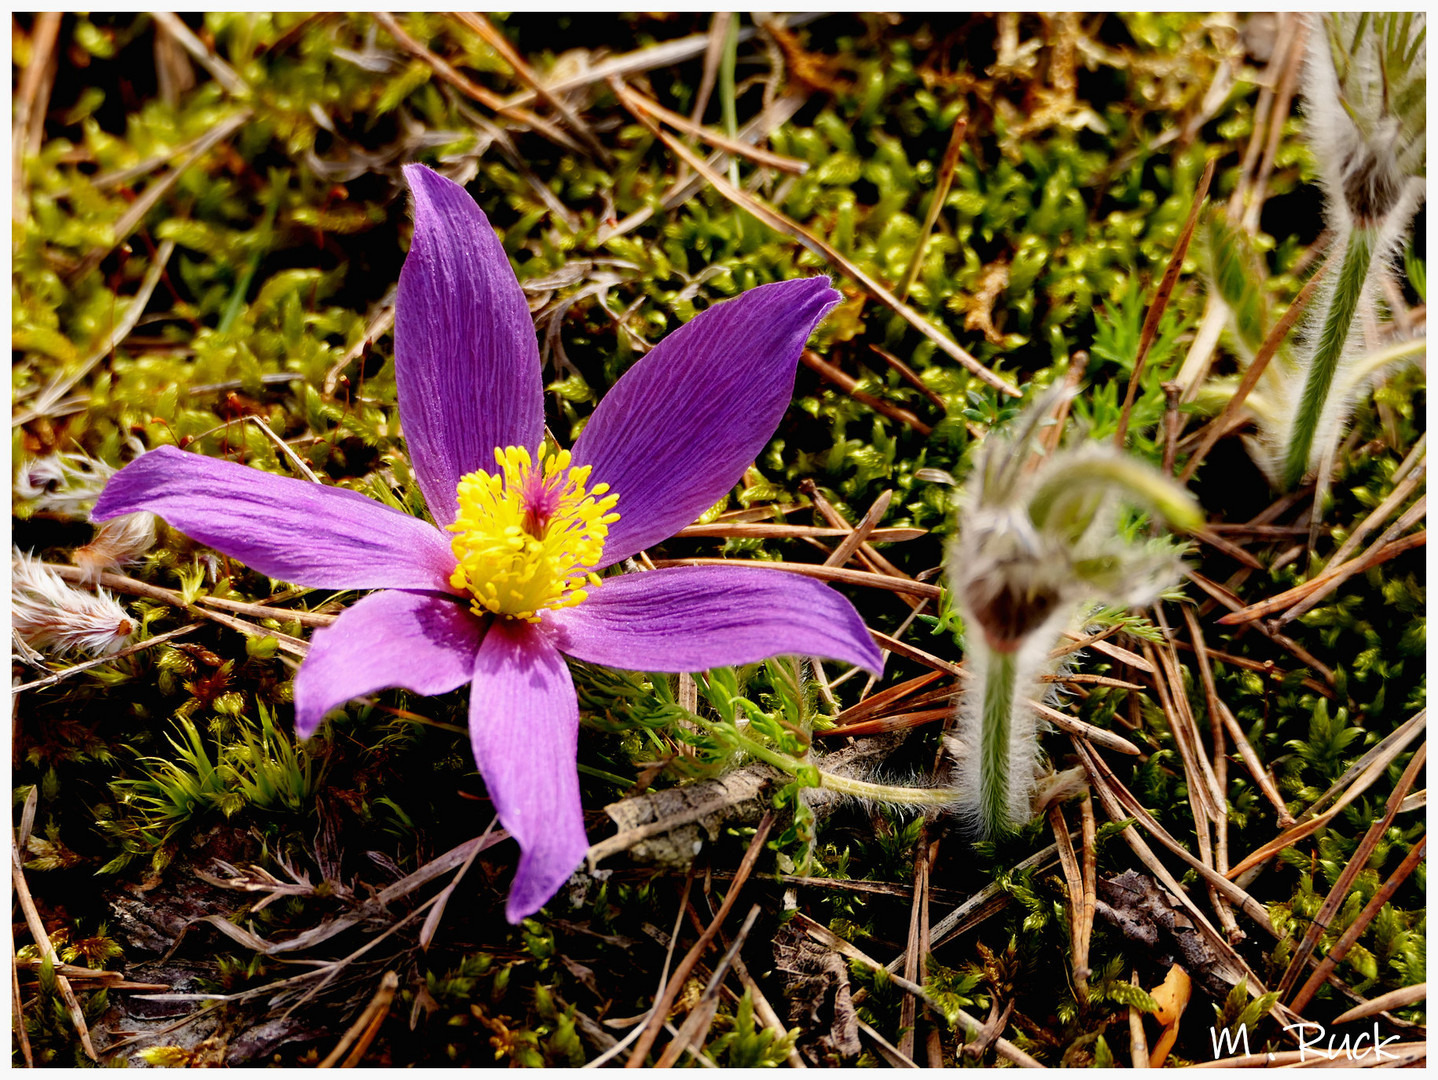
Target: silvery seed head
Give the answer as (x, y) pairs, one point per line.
(1035, 540)
(1365, 86)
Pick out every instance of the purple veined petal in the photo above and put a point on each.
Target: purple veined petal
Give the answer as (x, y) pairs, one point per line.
(388, 640)
(688, 618)
(679, 429)
(465, 357)
(524, 727)
(310, 534)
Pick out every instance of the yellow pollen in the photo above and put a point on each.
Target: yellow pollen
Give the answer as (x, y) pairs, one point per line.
(528, 536)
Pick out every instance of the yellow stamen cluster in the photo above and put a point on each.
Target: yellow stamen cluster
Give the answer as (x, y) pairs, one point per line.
(528, 535)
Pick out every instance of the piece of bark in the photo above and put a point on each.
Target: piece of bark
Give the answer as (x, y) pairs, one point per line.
(1148, 916)
(666, 828)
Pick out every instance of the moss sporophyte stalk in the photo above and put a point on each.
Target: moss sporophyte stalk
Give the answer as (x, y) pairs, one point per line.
(527, 535)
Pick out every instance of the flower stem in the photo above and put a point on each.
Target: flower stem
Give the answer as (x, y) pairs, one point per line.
(1342, 305)
(859, 789)
(995, 781)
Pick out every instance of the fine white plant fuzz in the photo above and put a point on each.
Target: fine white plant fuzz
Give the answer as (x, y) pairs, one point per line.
(67, 485)
(61, 483)
(1037, 538)
(51, 616)
(118, 542)
(1364, 103)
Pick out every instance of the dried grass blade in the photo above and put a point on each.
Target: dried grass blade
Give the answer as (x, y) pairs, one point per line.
(736, 147)
(1400, 737)
(888, 1051)
(431, 921)
(1394, 999)
(910, 376)
(1355, 930)
(130, 220)
(1302, 597)
(676, 981)
(1108, 648)
(1107, 787)
(31, 103)
(1339, 893)
(1396, 498)
(62, 384)
(42, 941)
(1218, 709)
(885, 698)
(824, 573)
(768, 531)
(883, 724)
(1073, 879)
(1120, 803)
(1375, 768)
(850, 386)
(1090, 884)
(780, 223)
(917, 945)
(701, 1017)
(469, 88)
(824, 936)
(19, 1012)
(1229, 416)
(1166, 284)
(129, 650)
(222, 73)
(1137, 1038)
(860, 533)
(936, 204)
(1173, 700)
(363, 1031)
(500, 44)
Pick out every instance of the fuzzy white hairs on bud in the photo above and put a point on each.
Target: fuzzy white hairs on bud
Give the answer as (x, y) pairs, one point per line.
(1037, 537)
(51, 616)
(1364, 99)
(68, 484)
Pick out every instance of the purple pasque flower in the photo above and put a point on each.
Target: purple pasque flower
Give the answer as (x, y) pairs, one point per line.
(507, 584)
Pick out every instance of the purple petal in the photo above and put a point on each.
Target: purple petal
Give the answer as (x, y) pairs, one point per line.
(465, 358)
(310, 534)
(524, 727)
(682, 425)
(688, 618)
(413, 641)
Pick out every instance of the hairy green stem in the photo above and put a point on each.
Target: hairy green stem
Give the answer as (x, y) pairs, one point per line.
(844, 785)
(1000, 676)
(1342, 305)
